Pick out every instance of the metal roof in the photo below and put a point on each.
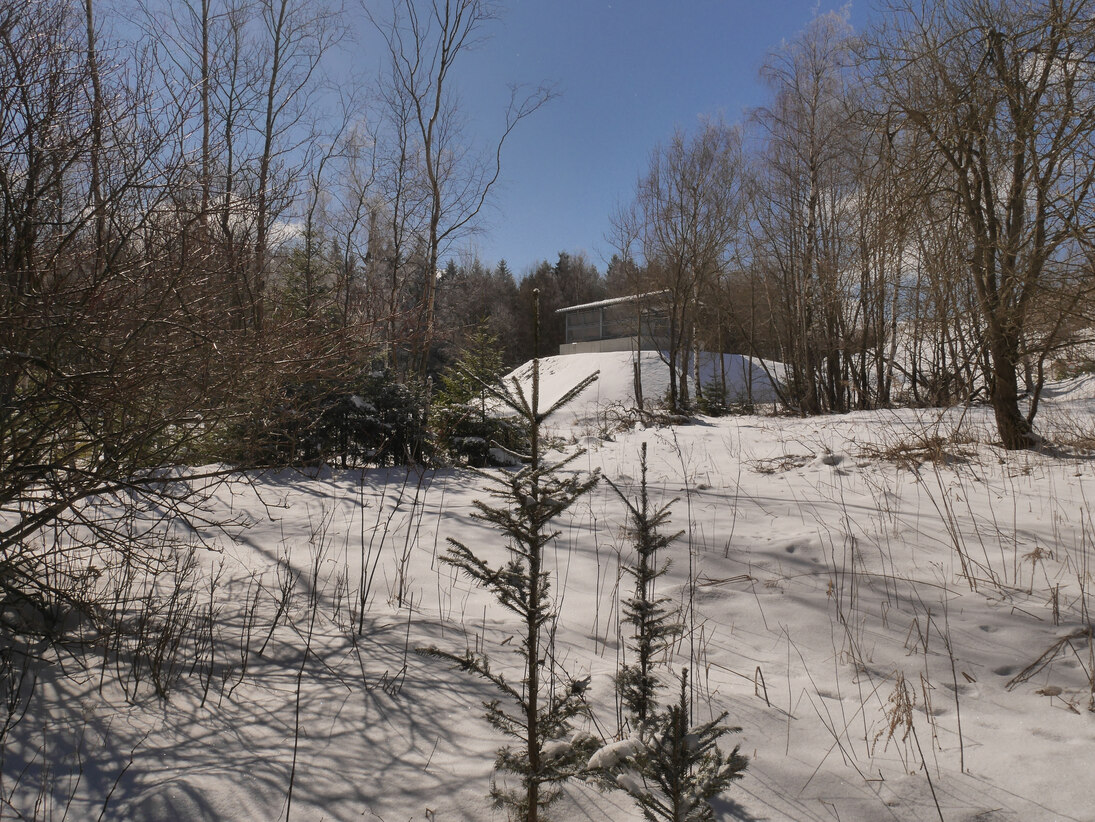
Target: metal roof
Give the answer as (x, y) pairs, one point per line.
(614, 301)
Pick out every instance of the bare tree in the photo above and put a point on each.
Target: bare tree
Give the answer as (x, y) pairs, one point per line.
(425, 42)
(405, 209)
(204, 54)
(683, 223)
(941, 350)
(802, 202)
(107, 360)
(881, 218)
(297, 35)
(249, 71)
(354, 223)
(1003, 95)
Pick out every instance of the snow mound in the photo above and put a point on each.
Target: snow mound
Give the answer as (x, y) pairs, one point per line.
(556, 749)
(616, 752)
(747, 379)
(1075, 389)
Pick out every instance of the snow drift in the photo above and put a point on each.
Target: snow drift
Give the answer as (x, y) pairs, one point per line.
(747, 379)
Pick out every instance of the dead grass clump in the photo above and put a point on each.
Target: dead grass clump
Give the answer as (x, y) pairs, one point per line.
(899, 714)
(1070, 431)
(918, 448)
(780, 464)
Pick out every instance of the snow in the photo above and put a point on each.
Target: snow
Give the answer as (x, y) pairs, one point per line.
(615, 752)
(823, 567)
(556, 749)
(614, 390)
(631, 783)
(646, 296)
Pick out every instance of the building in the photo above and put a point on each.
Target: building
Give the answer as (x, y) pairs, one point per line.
(636, 323)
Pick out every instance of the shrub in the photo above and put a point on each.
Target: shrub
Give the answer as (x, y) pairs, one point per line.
(370, 420)
(464, 417)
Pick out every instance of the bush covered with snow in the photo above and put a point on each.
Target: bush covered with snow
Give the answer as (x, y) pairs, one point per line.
(468, 434)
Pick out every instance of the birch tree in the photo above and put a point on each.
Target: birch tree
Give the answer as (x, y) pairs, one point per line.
(426, 42)
(683, 222)
(802, 202)
(1002, 94)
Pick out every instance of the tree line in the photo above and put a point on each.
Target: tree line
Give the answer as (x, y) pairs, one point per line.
(205, 238)
(216, 251)
(908, 219)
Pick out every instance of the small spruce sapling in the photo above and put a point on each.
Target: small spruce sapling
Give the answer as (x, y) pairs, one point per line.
(671, 768)
(479, 365)
(685, 765)
(681, 767)
(652, 617)
(532, 713)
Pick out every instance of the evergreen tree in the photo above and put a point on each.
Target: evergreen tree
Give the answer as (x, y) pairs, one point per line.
(533, 713)
(681, 767)
(460, 416)
(651, 616)
(669, 767)
(478, 367)
(572, 280)
(307, 276)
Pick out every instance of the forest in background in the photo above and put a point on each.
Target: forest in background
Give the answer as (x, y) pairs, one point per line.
(196, 223)
(216, 259)
(212, 255)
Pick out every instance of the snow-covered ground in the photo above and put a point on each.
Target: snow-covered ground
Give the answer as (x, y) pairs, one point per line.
(746, 380)
(895, 611)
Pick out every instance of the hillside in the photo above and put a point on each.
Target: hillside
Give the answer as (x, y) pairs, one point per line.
(746, 380)
(895, 611)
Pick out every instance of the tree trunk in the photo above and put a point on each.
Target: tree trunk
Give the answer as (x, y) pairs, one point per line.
(277, 23)
(206, 167)
(672, 358)
(532, 625)
(95, 155)
(1015, 432)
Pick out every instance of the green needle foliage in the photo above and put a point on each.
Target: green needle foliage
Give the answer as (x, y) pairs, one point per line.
(465, 426)
(534, 713)
(480, 364)
(669, 767)
(681, 767)
(653, 618)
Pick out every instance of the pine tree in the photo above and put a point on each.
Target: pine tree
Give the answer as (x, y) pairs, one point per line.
(464, 423)
(652, 617)
(479, 365)
(535, 715)
(670, 768)
(680, 768)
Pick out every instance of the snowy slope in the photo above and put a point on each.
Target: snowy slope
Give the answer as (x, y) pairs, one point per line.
(746, 379)
(867, 595)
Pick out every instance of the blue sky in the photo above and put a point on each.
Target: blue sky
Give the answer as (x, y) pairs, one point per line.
(630, 72)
